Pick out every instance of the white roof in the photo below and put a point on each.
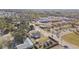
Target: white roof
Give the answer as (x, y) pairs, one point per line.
(27, 43)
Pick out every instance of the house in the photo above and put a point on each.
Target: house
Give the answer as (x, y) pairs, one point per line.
(35, 34)
(26, 45)
(6, 39)
(44, 20)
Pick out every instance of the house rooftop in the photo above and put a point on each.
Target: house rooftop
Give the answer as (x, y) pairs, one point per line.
(27, 44)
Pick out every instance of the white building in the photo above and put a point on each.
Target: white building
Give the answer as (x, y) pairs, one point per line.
(26, 45)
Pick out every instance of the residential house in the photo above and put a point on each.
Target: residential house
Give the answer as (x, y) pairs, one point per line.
(26, 45)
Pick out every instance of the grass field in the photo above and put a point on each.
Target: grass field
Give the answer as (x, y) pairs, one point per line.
(72, 38)
(43, 39)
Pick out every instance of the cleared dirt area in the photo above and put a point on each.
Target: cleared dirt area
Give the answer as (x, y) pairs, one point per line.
(72, 38)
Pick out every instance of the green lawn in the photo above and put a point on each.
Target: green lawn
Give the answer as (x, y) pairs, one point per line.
(72, 38)
(42, 39)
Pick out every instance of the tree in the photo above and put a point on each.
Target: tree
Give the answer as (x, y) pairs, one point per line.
(1, 42)
(4, 24)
